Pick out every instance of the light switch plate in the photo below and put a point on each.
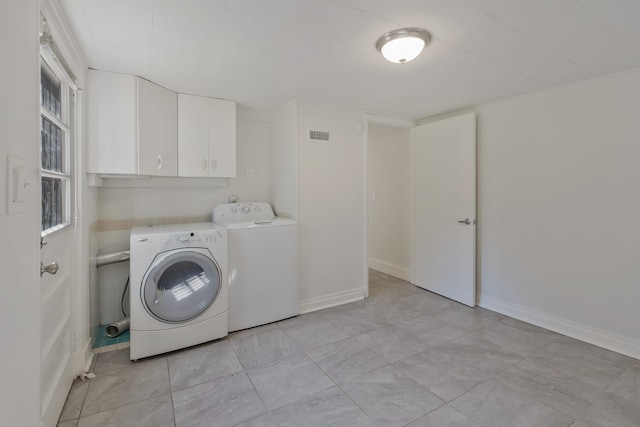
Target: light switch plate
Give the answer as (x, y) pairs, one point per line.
(16, 184)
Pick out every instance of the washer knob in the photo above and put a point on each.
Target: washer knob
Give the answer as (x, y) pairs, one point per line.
(219, 233)
(245, 209)
(234, 210)
(257, 208)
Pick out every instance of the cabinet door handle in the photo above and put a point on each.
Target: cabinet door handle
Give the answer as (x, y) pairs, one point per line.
(214, 164)
(159, 161)
(204, 164)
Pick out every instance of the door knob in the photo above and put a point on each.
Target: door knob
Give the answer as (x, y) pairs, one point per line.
(466, 221)
(51, 268)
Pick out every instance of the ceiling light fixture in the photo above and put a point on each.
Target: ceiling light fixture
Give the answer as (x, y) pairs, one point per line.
(403, 45)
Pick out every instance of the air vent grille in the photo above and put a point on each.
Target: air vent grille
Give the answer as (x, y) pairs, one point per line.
(319, 136)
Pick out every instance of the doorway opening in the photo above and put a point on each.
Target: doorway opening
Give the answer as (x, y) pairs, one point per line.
(389, 205)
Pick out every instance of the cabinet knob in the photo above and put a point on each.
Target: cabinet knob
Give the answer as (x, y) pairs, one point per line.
(204, 164)
(214, 164)
(159, 161)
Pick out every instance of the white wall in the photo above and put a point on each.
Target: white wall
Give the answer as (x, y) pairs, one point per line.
(284, 159)
(558, 176)
(20, 232)
(332, 266)
(389, 217)
(122, 208)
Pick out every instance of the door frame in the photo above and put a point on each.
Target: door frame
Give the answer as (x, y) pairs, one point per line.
(83, 339)
(386, 121)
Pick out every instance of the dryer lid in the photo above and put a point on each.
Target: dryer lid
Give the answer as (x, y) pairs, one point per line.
(180, 285)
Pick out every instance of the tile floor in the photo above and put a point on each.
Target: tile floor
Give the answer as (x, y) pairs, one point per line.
(403, 357)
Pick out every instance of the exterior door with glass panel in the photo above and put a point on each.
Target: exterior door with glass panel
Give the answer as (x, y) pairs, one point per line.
(57, 339)
(181, 285)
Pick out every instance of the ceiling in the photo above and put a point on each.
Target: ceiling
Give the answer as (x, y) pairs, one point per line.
(264, 53)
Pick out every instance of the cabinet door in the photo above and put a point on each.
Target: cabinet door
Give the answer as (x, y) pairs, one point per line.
(222, 138)
(112, 110)
(193, 135)
(157, 130)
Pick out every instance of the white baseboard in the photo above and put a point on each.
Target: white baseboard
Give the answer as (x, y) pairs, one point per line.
(595, 336)
(331, 300)
(390, 269)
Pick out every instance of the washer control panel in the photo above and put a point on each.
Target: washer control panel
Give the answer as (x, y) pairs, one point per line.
(231, 213)
(197, 238)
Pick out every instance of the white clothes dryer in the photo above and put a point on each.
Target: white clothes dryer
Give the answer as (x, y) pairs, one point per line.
(263, 264)
(179, 287)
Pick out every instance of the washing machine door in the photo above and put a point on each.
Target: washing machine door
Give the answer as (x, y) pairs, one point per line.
(180, 285)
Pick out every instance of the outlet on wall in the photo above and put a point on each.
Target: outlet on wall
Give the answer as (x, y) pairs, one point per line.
(249, 174)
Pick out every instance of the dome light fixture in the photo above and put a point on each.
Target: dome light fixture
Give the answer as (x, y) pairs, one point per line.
(403, 45)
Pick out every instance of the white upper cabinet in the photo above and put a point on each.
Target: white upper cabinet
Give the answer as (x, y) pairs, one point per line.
(157, 130)
(206, 137)
(222, 138)
(133, 126)
(193, 135)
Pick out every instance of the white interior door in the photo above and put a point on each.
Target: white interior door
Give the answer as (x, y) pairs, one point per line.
(56, 337)
(445, 207)
(57, 254)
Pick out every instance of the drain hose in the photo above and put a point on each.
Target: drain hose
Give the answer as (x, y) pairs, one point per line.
(116, 328)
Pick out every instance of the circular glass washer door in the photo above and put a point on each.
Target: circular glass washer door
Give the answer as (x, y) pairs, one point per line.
(181, 285)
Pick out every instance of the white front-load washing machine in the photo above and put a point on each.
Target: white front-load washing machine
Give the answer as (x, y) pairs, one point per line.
(179, 287)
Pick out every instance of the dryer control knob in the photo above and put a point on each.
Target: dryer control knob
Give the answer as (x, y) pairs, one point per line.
(183, 239)
(245, 209)
(234, 210)
(219, 233)
(257, 208)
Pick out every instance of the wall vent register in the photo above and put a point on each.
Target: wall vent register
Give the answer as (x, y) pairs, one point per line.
(318, 136)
